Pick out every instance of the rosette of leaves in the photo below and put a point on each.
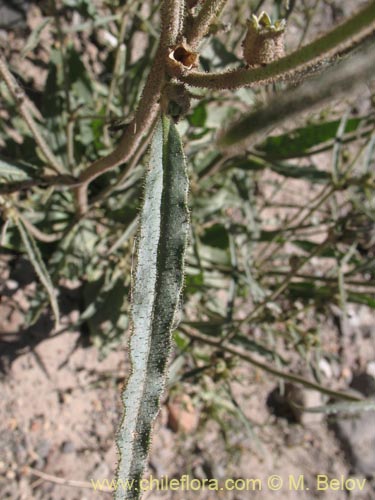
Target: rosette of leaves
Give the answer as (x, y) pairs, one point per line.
(264, 41)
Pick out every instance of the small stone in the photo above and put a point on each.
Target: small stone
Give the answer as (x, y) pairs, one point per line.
(182, 416)
(363, 383)
(68, 447)
(11, 284)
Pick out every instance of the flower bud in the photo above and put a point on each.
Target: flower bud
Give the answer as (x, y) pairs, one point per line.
(264, 41)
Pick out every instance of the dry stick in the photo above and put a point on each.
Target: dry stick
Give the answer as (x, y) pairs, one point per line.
(337, 81)
(344, 36)
(20, 98)
(202, 22)
(63, 481)
(269, 369)
(148, 106)
(55, 180)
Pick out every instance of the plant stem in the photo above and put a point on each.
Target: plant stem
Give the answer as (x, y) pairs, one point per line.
(326, 279)
(148, 106)
(37, 233)
(342, 38)
(171, 22)
(55, 180)
(201, 24)
(106, 192)
(276, 293)
(145, 116)
(269, 369)
(336, 82)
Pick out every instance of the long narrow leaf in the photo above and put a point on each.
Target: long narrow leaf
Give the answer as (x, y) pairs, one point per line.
(156, 293)
(36, 260)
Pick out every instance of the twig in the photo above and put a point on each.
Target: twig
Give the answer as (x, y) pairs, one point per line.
(147, 111)
(55, 180)
(337, 81)
(19, 97)
(124, 174)
(37, 233)
(276, 293)
(63, 481)
(269, 369)
(201, 24)
(341, 39)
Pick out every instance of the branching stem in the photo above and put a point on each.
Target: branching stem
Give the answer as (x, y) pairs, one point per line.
(269, 369)
(336, 82)
(201, 24)
(346, 35)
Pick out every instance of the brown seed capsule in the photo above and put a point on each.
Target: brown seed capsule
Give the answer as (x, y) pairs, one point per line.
(181, 59)
(264, 41)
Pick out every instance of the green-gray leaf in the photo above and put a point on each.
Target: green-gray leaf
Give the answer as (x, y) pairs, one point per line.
(156, 291)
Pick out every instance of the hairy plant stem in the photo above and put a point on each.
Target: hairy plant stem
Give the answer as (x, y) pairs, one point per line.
(145, 116)
(202, 22)
(269, 369)
(19, 96)
(148, 106)
(172, 12)
(342, 38)
(333, 84)
(106, 192)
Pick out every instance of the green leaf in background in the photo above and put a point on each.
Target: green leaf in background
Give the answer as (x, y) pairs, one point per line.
(361, 298)
(78, 77)
(85, 7)
(215, 55)
(104, 305)
(156, 291)
(309, 290)
(216, 236)
(16, 170)
(251, 345)
(199, 115)
(246, 163)
(300, 141)
(308, 173)
(310, 246)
